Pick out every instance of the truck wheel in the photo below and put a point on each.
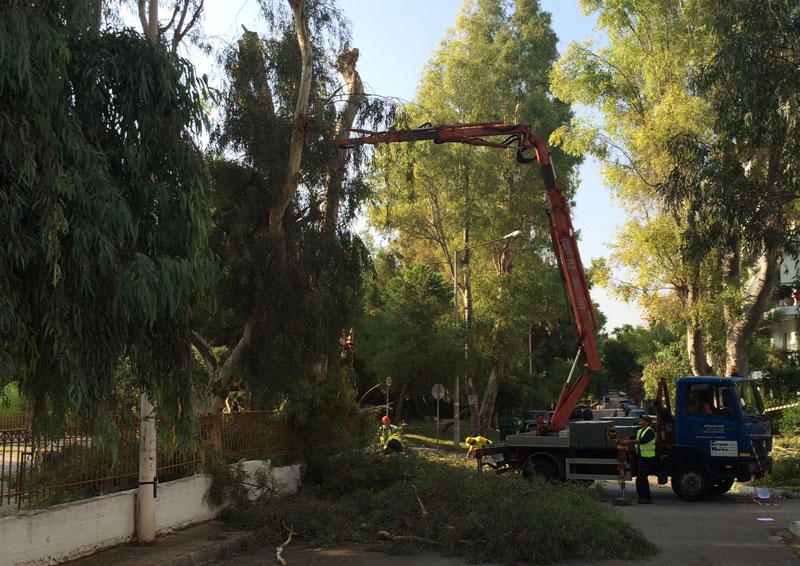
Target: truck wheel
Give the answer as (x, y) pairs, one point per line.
(721, 485)
(540, 467)
(690, 482)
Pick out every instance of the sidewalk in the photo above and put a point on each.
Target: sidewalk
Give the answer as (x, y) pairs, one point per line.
(191, 546)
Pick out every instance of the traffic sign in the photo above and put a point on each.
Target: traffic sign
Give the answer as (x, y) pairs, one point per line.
(437, 391)
(388, 381)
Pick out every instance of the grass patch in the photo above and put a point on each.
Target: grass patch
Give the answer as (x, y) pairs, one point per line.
(442, 503)
(422, 434)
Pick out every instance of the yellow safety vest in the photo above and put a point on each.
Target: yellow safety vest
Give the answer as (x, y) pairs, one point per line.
(648, 449)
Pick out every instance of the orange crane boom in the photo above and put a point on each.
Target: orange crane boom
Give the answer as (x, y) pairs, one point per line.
(520, 138)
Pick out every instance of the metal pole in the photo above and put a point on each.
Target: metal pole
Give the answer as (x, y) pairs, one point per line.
(437, 425)
(456, 389)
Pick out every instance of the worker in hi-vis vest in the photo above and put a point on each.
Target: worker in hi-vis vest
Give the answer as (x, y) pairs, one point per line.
(645, 443)
(476, 442)
(390, 436)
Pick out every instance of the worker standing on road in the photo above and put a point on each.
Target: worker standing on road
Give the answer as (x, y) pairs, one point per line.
(645, 443)
(390, 436)
(476, 442)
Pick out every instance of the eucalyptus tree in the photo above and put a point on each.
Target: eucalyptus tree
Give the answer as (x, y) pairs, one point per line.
(436, 200)
(282, 207)
(677, 101)
(103, 212)
(741, 186)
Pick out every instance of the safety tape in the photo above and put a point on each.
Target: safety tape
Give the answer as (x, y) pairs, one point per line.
(782, 407)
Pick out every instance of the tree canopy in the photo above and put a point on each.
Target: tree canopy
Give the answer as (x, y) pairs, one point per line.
(675, 133)
(103, 211)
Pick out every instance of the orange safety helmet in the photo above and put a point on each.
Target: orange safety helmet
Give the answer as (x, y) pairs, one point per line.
(385, 419)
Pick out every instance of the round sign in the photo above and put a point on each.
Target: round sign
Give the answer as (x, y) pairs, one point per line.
(388, 381)
(611, 433)
(437, 391)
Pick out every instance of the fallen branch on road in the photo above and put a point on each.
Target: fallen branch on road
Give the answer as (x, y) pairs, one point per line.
(279, 550)
(407, 538)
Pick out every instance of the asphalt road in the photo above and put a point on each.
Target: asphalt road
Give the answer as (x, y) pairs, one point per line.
(728, 530)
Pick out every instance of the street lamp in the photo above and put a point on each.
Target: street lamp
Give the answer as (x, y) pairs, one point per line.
(456, 387)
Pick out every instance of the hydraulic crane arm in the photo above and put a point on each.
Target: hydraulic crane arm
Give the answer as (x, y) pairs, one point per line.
(520, 138)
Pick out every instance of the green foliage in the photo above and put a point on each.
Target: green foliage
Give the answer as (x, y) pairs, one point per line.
(744, 179)
(103, 212)
(786, 463)
(408, 335)
(10, 399)
(668, 363)
(485, 517)
(789, 424)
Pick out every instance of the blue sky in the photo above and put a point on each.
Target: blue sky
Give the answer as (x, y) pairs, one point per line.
(397, 37)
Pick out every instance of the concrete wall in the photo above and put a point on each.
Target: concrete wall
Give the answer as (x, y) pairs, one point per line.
(65, 532)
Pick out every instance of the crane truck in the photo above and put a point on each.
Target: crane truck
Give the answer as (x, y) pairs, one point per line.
(702, 453)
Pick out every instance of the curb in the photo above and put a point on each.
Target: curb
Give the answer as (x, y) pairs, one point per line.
(210, 551)
(751, 490)
(794, 528)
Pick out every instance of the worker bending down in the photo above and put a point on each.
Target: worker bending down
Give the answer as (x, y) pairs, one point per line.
(475, 443)
(390, 436)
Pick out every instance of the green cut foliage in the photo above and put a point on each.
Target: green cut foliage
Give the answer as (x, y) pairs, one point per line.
(444, 504)
(103, 215)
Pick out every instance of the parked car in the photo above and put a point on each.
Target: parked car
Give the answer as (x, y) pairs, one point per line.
(581, 412)
(530, 419)
(636, 412)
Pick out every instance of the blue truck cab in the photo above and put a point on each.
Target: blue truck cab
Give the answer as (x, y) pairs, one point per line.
(719, 434)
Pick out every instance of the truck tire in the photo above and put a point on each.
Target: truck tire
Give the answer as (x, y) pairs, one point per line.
(720, 486)
(540, 467)
(690, 482)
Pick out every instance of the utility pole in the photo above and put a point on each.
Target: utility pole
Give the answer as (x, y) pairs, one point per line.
(146, 496)
(456, 388)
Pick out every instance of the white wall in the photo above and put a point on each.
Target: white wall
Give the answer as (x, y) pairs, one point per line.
(65, 532)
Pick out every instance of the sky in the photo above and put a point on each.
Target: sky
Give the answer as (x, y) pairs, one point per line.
(396, 38)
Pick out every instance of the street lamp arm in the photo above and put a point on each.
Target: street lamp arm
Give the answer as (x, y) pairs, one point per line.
(514, 234)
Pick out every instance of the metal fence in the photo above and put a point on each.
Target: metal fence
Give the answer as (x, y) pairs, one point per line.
(36, 471)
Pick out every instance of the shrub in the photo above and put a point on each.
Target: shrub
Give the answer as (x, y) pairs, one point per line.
(789, 421)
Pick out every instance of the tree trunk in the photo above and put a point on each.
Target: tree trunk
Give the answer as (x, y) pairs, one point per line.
(148, 16)
(292, 179)
(490, 396)
(688, 294)
(742, 324)
(502, 263)
(221, 377)
(346, 65)
(697, 354)
(398, 403)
